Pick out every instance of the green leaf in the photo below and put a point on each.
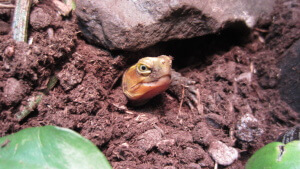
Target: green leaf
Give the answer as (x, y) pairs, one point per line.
(49, 147)
(276, 155)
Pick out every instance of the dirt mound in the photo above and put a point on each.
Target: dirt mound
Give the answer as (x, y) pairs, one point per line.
(237, 80)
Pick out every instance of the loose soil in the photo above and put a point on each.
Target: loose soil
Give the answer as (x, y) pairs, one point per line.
(235, 71)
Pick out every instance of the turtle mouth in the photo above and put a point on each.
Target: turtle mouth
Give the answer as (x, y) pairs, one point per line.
(163, 80)
(155, 87)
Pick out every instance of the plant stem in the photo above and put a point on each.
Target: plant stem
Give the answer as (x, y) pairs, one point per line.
(33, 103)
(21, 17)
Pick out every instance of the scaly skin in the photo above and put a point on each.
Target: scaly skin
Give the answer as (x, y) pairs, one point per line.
(149, 77)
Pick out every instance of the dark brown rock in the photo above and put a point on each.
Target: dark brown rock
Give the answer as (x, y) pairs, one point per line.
(137, 24)
(290, 77)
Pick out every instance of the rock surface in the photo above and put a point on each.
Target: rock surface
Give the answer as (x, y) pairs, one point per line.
(137, 24)
(248, 128)
(290, 77)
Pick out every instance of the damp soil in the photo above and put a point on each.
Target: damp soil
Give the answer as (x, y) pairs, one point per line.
(235, 71)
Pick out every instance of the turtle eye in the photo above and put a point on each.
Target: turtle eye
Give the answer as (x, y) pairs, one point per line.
(143, 69)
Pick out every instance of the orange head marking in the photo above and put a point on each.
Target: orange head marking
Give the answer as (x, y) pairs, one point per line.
(149, 77)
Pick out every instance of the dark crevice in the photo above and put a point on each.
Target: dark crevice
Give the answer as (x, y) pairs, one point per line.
(195, 51)
(281, 149)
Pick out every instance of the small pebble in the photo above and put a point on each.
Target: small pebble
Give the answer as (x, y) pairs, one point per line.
(222, 154)
(9, 51)
(248, 128)
(50, 32)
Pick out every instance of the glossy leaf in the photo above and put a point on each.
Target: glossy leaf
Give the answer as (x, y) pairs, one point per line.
(276, 155)
(49, 147)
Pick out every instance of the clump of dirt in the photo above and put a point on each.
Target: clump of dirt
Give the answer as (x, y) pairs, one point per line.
(239, 102)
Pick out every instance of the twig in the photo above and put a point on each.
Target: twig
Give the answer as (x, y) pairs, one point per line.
(70, 3)
(261, 30)
(7, 6)
(115, 80)
(21, 18)
(5, 143)
(181, 100)
(216, 165)
(52, 82)
(63, 8)
(199, 105)
(34, 101)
